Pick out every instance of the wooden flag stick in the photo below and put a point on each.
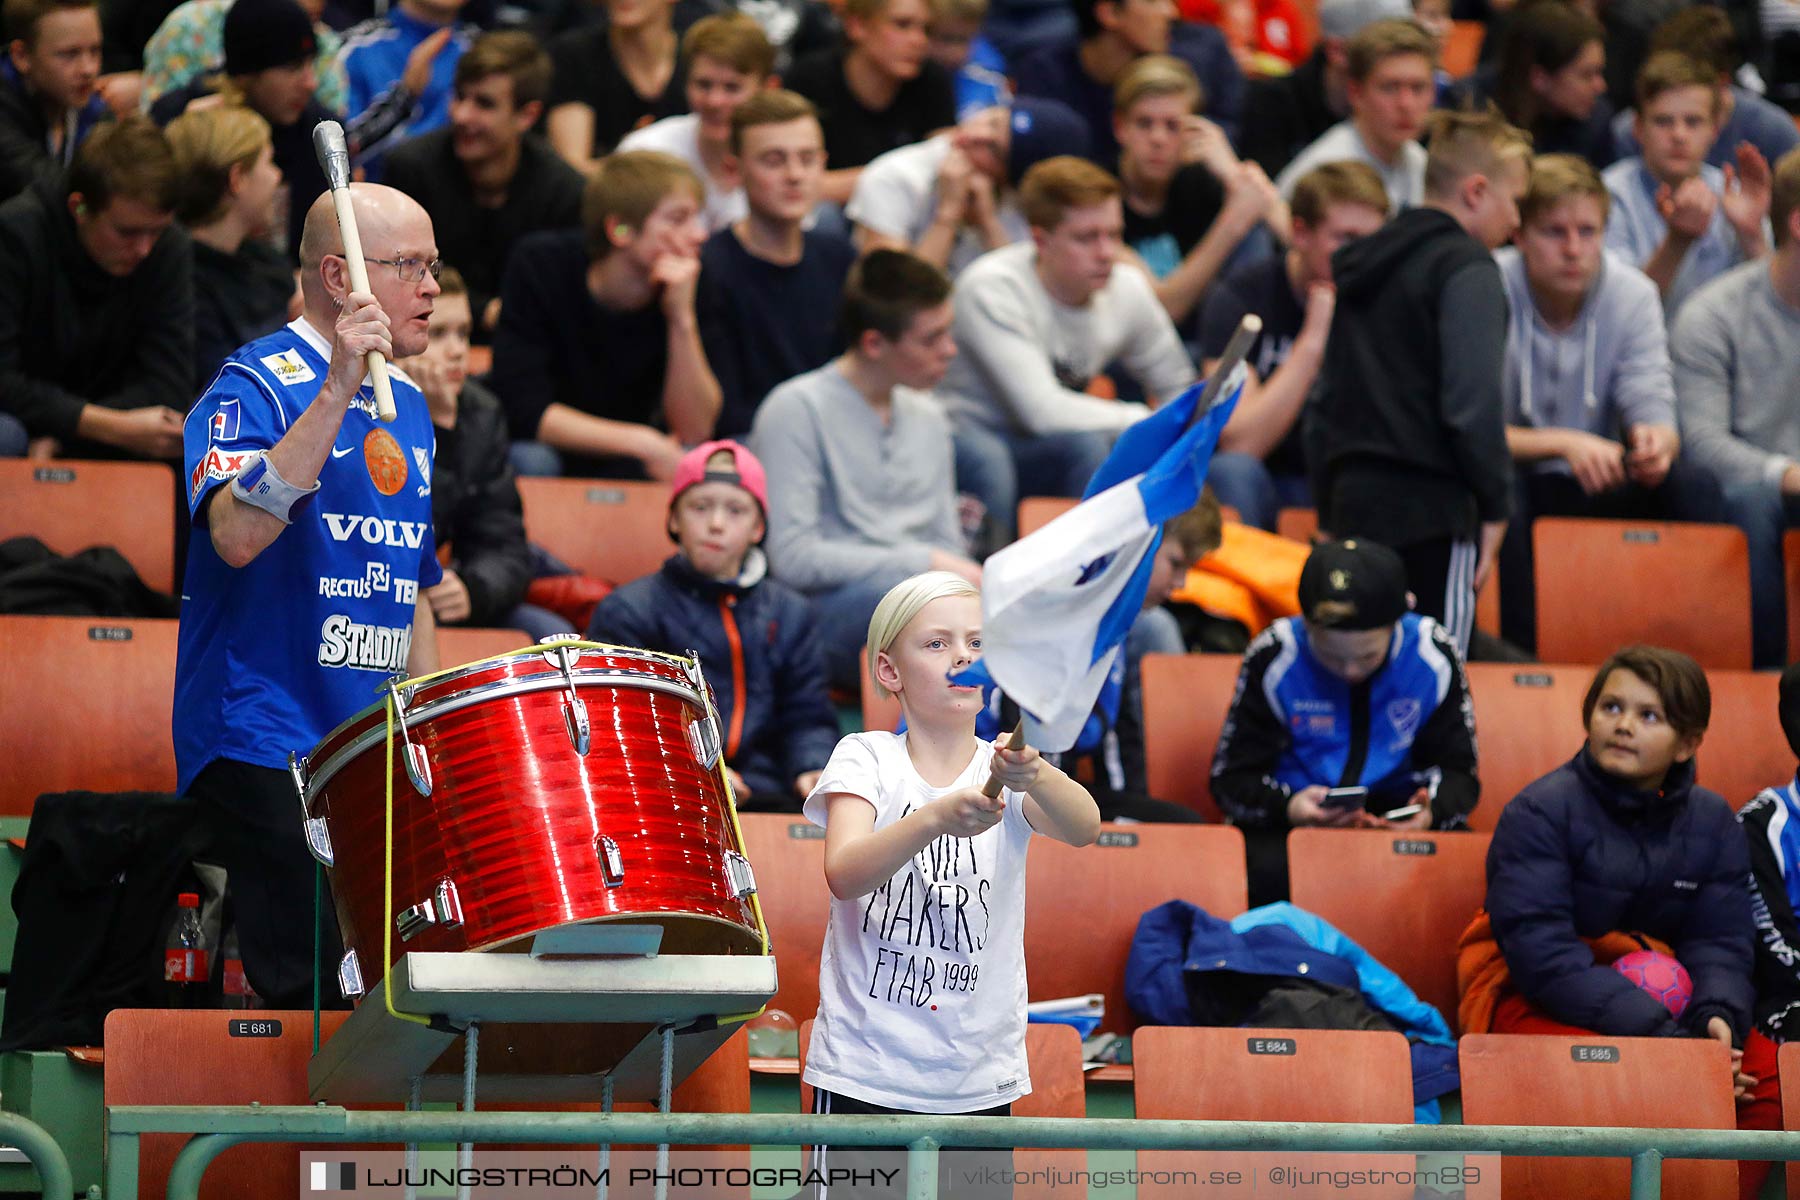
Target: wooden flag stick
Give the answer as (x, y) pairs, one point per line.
(991, 788)
(1236, 350)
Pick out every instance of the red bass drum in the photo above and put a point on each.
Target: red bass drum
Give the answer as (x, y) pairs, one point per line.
(566, 785)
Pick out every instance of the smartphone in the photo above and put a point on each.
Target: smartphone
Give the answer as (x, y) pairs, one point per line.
(1340, 798)
(1403, 812)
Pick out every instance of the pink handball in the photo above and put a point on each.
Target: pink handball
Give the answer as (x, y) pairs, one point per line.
(1660, 975)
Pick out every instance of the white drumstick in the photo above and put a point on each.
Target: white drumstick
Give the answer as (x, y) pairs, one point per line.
(334, 160)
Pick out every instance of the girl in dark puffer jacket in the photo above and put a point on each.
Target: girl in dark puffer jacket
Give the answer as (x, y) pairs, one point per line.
(1622, 840)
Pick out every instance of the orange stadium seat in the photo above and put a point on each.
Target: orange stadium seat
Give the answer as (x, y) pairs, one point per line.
(1082, 904)
(610, 529)
(1633, 1083)
(1186, 697)
(787, 852)
(1058, 1089)
(459, 644)
(70, 506)
(1604, 584)
(1326, 1075)
(1035, 512)
(169, 1056)
(1299, 524)
(1462, 49)
(1527, 723)
(87, 705)
(1745, 750)
(1370, 883)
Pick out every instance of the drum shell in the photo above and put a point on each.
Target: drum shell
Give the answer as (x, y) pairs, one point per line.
(515, 815)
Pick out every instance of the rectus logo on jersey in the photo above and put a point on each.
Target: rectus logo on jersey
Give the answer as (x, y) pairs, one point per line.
(377, 579)
(347, 643)
(376, 531)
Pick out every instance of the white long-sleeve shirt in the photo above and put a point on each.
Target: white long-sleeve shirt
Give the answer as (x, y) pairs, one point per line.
(1023, 358)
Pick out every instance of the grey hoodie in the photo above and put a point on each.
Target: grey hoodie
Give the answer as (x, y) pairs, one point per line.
(1608, 370)
(1737, 357)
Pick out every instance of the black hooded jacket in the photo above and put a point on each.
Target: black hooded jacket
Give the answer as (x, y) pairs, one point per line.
(72, 335)
(475, 508)
(1406, 431)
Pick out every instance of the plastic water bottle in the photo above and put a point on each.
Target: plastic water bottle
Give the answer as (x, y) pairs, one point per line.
(184, 962)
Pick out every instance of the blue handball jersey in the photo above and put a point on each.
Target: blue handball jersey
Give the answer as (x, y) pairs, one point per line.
(274, 655)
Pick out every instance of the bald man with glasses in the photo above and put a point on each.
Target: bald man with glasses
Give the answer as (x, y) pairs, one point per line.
(309, 556)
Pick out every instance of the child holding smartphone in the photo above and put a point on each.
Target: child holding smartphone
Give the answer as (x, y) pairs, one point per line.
(1348, 715)
(922, 981)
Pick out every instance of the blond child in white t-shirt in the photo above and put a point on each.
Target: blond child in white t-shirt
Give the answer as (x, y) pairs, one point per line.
(922, 980)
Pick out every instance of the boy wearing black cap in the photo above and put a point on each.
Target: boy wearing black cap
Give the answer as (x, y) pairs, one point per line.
(270, 52)
(269, 49)
(1354, 714)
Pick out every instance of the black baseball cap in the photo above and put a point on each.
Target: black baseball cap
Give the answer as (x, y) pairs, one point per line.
(1366, 577)
(261, 34)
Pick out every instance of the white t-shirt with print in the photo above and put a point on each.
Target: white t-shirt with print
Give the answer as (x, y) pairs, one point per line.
(680, 136)
(922, 981)
(896, 196)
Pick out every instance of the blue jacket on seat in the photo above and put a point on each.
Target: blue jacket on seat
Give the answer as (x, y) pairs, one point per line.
(1578, 854)
(754, 630)
(1281, 940)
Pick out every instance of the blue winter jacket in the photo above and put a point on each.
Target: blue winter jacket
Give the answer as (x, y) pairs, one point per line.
(1281, 940)
(1579, 853)
(753, 629)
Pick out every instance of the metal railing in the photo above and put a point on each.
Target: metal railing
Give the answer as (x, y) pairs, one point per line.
(31, 1140)
(219, 1128)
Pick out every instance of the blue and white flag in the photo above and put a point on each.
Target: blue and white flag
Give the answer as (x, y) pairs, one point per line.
(1057, 604)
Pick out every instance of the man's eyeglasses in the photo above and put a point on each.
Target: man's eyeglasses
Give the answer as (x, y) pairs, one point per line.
(411, 270)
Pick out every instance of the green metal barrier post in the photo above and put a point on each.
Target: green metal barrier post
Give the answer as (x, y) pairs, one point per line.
(29, 1138)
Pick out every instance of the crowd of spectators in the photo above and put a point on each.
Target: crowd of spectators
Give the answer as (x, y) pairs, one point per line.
(657, 211)
(857, 277)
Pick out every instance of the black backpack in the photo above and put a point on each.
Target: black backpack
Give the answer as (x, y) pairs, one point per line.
(96, 582)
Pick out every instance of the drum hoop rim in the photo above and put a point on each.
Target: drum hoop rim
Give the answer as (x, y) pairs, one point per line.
(684, 664)
(375, 734)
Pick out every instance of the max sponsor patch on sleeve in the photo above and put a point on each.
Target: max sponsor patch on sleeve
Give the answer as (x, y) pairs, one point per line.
(219, 464)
